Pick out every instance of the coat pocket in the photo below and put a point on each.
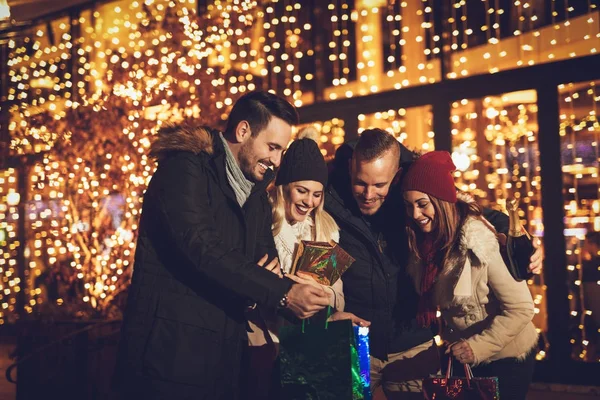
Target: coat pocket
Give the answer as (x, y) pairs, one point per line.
(183, 346)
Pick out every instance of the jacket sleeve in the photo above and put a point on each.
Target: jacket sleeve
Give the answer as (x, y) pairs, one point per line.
(498, 219)
(338, 302)
(187, 218)
(515, 300)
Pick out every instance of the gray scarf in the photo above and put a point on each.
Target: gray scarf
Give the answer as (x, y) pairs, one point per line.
(240, 185)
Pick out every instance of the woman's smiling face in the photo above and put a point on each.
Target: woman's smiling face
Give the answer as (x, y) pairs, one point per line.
(301, 199)
(420, 209)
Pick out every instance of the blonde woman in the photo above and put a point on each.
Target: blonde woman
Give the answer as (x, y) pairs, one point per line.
(297, 201)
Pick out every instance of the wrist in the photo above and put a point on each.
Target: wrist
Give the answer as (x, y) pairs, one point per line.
(283, 302)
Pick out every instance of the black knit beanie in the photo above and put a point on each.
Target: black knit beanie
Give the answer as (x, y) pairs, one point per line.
(303, 161)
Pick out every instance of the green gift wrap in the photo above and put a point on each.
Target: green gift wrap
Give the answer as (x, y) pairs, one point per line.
(320, 360)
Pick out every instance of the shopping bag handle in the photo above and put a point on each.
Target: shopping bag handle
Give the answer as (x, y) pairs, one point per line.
(307, 320)
(468, 371)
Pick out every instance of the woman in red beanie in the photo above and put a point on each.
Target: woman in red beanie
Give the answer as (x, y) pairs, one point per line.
(457, 268)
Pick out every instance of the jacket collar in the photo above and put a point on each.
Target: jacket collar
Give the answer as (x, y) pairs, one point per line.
(171, 138)
(476, 242)
(348, 216)
(201, 140)
(345, 209)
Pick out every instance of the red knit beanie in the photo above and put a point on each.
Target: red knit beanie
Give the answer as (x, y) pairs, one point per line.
(432, 174)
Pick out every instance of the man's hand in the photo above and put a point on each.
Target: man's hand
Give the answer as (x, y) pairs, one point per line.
(462, 352)
(307, 280)
(537, 258)
(304, 279)
(273, 266)
(306, 300)
(356, 321)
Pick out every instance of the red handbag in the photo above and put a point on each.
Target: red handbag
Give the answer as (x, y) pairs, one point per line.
(458, 388)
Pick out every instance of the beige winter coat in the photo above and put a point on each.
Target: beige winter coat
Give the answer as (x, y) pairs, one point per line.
(479, 299)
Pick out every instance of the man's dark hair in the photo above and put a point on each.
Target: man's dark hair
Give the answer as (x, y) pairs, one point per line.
(373, 143)
(258, 108)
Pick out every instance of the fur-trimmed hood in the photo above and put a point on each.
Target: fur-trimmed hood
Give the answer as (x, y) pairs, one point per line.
(477, 238)
(195, 139)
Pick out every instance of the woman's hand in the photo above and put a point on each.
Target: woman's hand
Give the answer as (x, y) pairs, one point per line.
(462, 351)
(273, 266)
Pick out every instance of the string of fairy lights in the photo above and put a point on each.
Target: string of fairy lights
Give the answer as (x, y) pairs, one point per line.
(10, 284)
(579, 133)
(339, 45)
(398, 122)
(331, 135)
(90, 93)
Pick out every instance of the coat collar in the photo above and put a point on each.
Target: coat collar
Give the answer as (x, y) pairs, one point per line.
(477, 239)
(346, 210)
(171, 138)
(200, 140)
(348, 216)
(476, 242)
(341, 203)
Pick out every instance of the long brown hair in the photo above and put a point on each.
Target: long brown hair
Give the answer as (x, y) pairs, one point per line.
(447, 224)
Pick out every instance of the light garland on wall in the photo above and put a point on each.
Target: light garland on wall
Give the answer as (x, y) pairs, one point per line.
(397, 123)
(331, 135)
(579, 133)
(9, 284)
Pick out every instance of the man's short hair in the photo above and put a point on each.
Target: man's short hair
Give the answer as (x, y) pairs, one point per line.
(373, 143)
(258, 108)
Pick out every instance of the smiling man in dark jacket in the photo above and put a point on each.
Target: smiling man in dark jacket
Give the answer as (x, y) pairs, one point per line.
(206, 221)
(364, 200)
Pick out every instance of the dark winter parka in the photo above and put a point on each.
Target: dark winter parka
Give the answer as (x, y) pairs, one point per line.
(194, 274)
(377, 286)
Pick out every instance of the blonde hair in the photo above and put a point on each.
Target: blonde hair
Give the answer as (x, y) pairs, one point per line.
(325, 225)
